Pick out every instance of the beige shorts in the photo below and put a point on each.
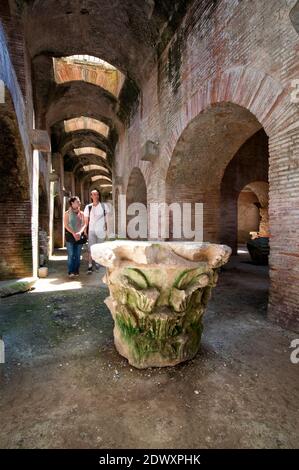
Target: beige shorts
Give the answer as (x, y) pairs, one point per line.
(93, 239)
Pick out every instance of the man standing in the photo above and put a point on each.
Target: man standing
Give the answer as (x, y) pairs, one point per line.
(95, 220)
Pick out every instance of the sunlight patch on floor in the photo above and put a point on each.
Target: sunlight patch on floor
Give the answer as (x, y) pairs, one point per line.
(55, 284)
(58, 257)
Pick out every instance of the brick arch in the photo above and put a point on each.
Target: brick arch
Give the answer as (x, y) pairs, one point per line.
(247, 87)
(266, 99)
(88, 184)
(43, 205)
(85, 176)
(201, 155)
(92, 165)
(243, 99)
(136, 189)
(83, 139)
(261, 190)
(136, 173)
(71, 161)
(109, 78)
(90, 99)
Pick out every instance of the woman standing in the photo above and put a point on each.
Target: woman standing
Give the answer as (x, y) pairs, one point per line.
(74, 227)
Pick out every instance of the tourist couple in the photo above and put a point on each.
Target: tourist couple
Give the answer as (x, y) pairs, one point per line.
(78, 224)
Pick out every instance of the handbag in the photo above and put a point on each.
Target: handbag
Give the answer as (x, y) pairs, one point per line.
(69, 237)
(82, 240)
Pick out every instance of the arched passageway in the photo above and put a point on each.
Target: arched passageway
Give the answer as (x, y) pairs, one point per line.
(208, 152)
(253, 211)
(248, 215)
(43, 206)
(58, 223)
(223, 150)
(136, 194)
(172, 101)
(249, 164)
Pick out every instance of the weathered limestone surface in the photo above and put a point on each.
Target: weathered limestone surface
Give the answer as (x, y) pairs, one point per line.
(158, 294)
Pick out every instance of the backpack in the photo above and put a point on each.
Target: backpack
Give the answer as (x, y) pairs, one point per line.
(89, 211)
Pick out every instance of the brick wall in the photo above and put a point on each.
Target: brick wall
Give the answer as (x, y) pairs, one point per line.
(225, 54)
(244, 53)
(15, 42)
(15, 239)
(8, 75)
(57, 224)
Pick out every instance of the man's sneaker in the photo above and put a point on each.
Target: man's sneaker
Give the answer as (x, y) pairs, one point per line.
(89, 271)
(76, 274)
(71, 275)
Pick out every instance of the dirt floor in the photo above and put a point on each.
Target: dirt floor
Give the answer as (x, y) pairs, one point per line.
(64, 385)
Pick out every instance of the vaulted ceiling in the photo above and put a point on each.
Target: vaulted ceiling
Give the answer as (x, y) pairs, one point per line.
(89, 60)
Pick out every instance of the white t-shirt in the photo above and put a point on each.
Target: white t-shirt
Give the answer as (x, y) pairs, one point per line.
(97, 220)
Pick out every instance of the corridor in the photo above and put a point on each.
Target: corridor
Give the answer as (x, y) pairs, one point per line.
(167, 130)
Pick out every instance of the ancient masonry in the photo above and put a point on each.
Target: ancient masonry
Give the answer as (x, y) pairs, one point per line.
(169, 101)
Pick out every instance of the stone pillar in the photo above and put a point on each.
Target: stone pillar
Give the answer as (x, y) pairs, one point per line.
(58, 169)
(284, 225)
(34, 213)
(41, 143)
(51, 216)
(158, 294)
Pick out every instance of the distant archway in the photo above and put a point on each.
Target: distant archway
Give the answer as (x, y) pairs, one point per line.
(256, 217)
(137, 193)
(249, 164)
(248, 215)
(43, 206)
(58, 224)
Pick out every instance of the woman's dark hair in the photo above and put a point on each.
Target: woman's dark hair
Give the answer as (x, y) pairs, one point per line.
(73, 199)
